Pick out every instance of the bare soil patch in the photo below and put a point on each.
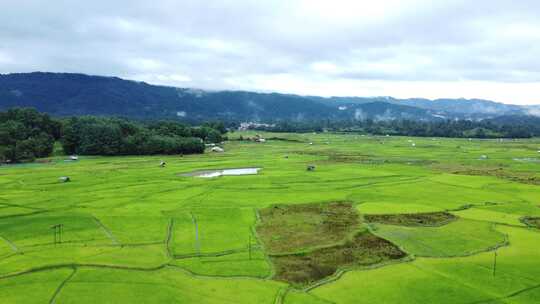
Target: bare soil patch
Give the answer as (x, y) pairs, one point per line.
(294, 228)
(430, 219)
(531, 221)
(309, 242)
(306, 268)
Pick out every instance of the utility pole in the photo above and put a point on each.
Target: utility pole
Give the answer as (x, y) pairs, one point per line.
(249, 246)
(57, 233)
(197, 242)
(495, 262)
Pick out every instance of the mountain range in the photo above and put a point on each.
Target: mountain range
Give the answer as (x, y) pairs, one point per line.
(66, 94)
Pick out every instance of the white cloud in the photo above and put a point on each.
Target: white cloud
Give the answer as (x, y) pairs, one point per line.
(171, 79)
(403, 48)
(144, 64)
(5, 58)
(324, 67)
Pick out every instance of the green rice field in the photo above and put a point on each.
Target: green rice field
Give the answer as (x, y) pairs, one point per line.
(135, 232)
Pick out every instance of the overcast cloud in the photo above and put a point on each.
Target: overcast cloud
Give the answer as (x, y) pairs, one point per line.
(402, 48)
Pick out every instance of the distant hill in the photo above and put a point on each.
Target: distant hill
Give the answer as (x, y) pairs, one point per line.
(516, 120)
(62, 94)
(450, 108)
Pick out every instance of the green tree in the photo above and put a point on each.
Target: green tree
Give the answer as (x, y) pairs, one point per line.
(26, 134)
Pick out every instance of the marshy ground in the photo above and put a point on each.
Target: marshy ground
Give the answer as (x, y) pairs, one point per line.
(310, 242)
(532, 221)
(412, 219)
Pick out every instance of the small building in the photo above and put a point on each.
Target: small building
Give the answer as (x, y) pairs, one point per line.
(64, 179)
(162, 164)
(74, 157)
(483, 157)
(311, 167)
(217, 149)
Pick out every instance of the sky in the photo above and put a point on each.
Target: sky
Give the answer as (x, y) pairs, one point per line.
(400, 48)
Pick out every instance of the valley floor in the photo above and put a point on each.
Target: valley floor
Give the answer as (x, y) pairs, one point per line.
(134, 232)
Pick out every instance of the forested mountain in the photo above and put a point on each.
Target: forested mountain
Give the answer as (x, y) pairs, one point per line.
(464, 106)
(61, 94)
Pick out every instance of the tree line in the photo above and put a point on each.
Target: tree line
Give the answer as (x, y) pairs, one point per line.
(447, 128)
(26, 134)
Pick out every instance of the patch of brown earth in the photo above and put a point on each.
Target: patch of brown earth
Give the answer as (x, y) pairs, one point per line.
(306, 268)
(293, 228)
(531, 221)
(413, 219)
(309, 242)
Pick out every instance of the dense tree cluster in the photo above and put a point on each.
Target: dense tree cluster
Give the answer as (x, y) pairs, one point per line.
(449, 128)
(26, 134)
(111, 136)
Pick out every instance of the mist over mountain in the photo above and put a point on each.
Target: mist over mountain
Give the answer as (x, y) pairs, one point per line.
(63, 94)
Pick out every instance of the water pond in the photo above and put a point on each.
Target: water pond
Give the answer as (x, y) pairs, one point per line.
(223, 172)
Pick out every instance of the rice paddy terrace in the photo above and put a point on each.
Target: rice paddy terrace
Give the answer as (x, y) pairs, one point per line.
(376, 220)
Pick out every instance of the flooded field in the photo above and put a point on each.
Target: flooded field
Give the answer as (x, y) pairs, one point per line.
(223, 172)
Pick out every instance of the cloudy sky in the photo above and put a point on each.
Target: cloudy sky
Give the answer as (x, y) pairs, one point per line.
(404, 48)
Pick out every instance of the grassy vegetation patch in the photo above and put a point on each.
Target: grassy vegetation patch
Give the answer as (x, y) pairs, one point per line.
(128, 212)
(457, 280)
(492, 216)
(37, 287)
(211, 231)
(137, 256)
(305, 268)
(500, 172)
(338, 156)
(459, 238)
(168, 285)
(297, 228)
(430, 219)
(135, 229)
(300, 297)
(31, 231)
(246, 264)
